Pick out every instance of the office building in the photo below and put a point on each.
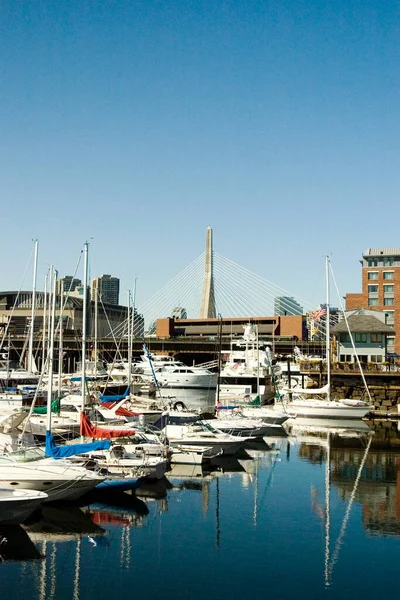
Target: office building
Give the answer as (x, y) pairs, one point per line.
(108, 289)
(67, 284)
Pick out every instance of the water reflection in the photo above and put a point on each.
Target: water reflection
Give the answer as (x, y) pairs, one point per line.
(315, 500)
(16, 545)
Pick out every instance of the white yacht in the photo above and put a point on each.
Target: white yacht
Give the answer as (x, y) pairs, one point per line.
(59, 479)
(181, 376)
(237, 424)
(173, 381)
(147, 361)
(118, 462)
(247, 373)
(17, 377)
(185, 429)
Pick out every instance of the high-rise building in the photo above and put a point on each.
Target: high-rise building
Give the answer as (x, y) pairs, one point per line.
(286, 306)
(381, 289)
(108, 289)
(68, 284)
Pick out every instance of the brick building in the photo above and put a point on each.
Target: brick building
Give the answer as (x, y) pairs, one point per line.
(293, 326)
(381, 289)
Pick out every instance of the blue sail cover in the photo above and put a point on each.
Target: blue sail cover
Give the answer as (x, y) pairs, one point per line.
(65, 451)
(115, 398)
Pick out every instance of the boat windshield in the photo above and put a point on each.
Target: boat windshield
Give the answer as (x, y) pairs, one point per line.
(182, 420)
(23, 456)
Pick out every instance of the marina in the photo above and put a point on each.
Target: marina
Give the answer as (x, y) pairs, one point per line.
(322, 499)
(199, 324)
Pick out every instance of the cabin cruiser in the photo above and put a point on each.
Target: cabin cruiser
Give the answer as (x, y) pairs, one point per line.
(147, 362)
(237, 424)
(59, 479)
(182, 376)
(186, 429)
(16, 376)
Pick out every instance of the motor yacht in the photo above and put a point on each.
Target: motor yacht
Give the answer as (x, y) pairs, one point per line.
(59, 479)
(185, 428)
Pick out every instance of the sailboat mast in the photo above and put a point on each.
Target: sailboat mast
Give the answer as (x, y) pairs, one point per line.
(51, 348)
(60, 339)
(84, 313)
(327, 328)
(44, 346)
(30, 351)
(258, 363)
(96, 324)
(129, 343)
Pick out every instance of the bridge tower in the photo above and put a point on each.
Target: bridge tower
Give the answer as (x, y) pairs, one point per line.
(207, 307)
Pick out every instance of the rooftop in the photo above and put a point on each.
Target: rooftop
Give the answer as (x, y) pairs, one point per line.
(382, 252)
(362, 323)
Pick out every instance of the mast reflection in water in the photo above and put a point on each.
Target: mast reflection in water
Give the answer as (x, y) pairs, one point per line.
(312, 514)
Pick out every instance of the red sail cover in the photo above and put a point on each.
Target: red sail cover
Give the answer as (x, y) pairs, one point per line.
(121, 411)
(90, 430)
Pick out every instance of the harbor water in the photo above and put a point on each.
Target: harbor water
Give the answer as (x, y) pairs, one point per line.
(312, 515)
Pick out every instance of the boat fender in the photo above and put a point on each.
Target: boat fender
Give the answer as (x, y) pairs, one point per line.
(179, 406)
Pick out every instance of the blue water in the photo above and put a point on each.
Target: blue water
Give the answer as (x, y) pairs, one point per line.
(260, 528)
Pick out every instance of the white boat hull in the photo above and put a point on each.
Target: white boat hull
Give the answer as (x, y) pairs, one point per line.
(58, 484)
(335, 409)
(17, 505)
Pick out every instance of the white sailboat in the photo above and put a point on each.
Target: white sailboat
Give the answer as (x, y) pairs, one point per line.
(322, 405)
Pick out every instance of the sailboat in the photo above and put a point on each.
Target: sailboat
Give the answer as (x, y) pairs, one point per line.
(322, 405)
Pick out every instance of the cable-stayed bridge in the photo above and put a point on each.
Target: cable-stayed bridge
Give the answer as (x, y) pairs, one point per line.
(214, 285)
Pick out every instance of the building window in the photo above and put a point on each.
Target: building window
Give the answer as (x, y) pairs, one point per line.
(376, 358)
(373, 275)
(344, 337)
(345, 358)
(360, 337)
(373, 289)
(372, 301)
(372, 262)
(390, 344)
(388, 275)
(388, 262)
(388, 289)
(389, 320)
(376, 338)
(388, 301)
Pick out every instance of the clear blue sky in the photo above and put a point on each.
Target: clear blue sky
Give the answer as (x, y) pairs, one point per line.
(139, 123)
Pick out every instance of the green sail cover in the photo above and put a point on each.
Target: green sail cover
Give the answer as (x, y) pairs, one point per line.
(255, 401)
(42, 410)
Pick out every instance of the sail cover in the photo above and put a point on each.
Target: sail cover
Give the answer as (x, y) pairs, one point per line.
(110, 397)
(121, 411)
(90, 430)
(42, 410)
(313, 391)
(65, 451)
